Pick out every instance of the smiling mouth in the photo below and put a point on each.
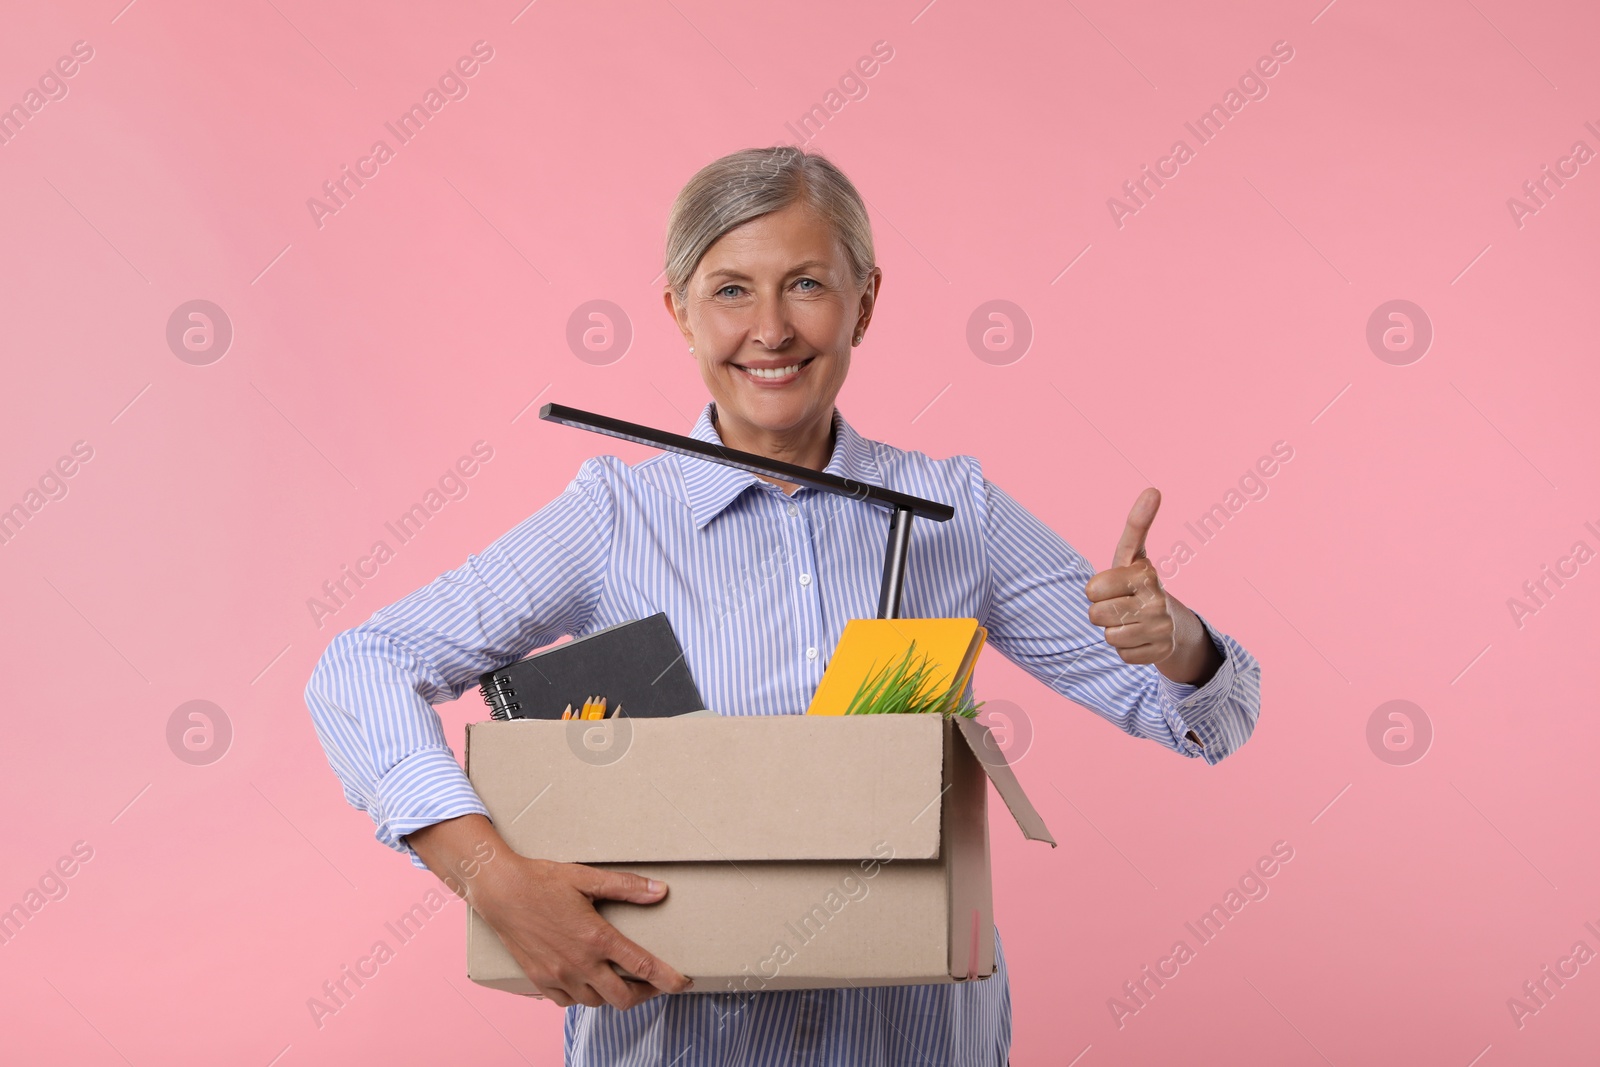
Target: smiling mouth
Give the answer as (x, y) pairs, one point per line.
(775, 374)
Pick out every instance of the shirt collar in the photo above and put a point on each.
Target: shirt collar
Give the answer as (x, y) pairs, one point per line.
(713, 486)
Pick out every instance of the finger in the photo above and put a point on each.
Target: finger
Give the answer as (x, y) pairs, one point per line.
(1126, 638)
(588, 996)
(557, 996)
(1132, 634)
(644, 966)
(1114, 583)
(1147, 653)
(548, 985)
(1140, 517)
(618, 991)
(1118, 611)
(598, 884)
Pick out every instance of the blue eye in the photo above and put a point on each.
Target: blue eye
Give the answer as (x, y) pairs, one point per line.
(725, 288)
(813, 281)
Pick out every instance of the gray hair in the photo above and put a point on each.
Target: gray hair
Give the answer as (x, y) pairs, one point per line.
(747, 184)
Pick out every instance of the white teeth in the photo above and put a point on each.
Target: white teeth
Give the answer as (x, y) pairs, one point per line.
(776, 372)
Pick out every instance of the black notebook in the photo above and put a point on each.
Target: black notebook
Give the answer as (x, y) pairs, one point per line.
(637, 666)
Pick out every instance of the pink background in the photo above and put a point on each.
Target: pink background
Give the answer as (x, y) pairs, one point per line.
(1228, 313)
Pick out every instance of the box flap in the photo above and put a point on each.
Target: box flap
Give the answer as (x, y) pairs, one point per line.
(785, 787)
(984, 746)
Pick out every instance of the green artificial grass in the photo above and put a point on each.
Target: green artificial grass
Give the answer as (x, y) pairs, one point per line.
(897, 690)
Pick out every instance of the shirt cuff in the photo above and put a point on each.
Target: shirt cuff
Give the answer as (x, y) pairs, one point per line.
(426, 787)
(1189, 708)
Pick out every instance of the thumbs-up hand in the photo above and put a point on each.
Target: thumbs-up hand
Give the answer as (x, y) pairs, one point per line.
(1128, 600)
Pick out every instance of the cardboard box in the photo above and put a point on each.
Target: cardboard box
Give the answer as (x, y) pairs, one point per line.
(801, 851)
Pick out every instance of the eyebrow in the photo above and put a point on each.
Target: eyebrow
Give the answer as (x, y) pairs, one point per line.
(810, 264)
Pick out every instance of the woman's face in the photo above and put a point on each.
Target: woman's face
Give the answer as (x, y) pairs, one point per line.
(777, 294)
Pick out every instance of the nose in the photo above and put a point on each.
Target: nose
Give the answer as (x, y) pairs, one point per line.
(771, 325)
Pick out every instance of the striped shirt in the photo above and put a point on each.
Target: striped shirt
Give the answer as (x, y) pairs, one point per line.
(757, 585)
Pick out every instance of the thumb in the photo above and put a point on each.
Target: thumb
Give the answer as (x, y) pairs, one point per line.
(1142, 515)
(621, 885)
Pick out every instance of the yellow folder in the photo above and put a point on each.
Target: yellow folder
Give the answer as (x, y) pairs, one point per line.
(867, 646)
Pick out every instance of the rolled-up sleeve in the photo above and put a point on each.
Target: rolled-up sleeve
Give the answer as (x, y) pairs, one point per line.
(371, 694)
(1037, 616)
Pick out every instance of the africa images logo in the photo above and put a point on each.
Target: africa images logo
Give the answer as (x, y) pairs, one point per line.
(451, 85)
(1252, 85)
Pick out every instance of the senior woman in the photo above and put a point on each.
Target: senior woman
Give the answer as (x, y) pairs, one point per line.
(771, 278)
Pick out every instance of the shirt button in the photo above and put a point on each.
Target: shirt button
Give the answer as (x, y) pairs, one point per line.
(805, 579)
(811, 653)
(793, 510)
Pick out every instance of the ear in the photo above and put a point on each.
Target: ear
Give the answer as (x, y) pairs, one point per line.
(869, 299)
(678, 312)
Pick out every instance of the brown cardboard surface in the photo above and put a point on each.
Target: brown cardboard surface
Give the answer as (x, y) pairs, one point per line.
(800, 851)
(771, 925)
(769, 787)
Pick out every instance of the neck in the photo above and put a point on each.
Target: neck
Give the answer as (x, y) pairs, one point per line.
(810, 446)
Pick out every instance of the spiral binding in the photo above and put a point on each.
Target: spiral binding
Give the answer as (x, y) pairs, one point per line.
(501, 698)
